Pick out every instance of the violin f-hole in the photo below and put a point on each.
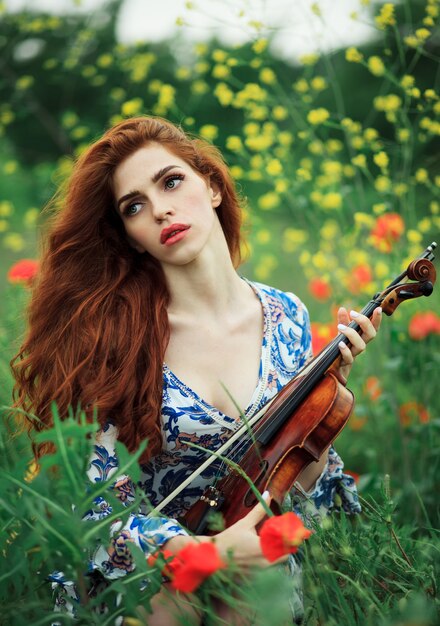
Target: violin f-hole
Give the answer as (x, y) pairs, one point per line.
(250, 498)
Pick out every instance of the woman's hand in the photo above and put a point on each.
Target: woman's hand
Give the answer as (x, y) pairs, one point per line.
(242, 541)
(358, 341)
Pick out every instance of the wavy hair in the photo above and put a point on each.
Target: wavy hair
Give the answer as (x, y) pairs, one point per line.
(97, 319)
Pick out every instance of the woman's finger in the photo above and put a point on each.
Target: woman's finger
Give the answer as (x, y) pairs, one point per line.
(257, 513)
(367, 327)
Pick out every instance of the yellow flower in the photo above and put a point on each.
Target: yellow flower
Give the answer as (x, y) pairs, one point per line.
(382, 184)
(379, 208)
(316, 147)
(259, 45)
(274, 167)
(423, 34)
(318, 116)
(267, 76)
(183, 73)
(315, 9)
(370, 134)
(411, 41)
(407, 81)
(30, 217)
(263, 236)
(421, 175)
(199, 87)
(332, 200)
(259, 143)
(334, 145)
(301, 85)
(434, 207)
(295, 236)
(349, 171)
(381, 159)
(309, 59)
(285, 138)
(359, 160)
(281, 186)
(386, 16)
(24, 82)
(400, 189)
(219, 56)
(4, 225)
(201, 67)
(414, 236)
(303, 174)
(279, 113)
(10, 167)
(430, 94)
(221, 71)
(424, 225)
(132, 107)
(234, 143)
(209, 132)
(403, 135)
(329, 230)
(389, 103)
(376, 66)
(224, 94)
(252, 129)
(318, 83)
(269, 201)
(14, 242)
(363, 219)
(200, 49)
(236, 172)
(319, 260)
(104, 60)
(353, 55)
(381, 269)
(6, 208)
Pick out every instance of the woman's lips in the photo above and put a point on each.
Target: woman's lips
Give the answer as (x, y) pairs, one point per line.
(172, 234)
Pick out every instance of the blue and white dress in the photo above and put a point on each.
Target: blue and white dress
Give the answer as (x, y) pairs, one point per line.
(186, 418)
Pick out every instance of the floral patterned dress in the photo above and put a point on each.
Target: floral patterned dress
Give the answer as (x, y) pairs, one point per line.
(187, 418)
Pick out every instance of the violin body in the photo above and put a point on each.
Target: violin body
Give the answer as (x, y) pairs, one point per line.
(302, 439)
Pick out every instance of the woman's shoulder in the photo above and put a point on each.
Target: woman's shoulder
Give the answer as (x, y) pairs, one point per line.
(287, 300)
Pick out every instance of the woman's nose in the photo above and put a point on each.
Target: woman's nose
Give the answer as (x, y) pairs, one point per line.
(161, 210)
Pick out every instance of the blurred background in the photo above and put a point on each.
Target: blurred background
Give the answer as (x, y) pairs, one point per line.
(328, 114)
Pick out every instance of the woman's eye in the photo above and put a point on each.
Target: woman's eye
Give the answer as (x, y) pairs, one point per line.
(131, 209)
(173, 181)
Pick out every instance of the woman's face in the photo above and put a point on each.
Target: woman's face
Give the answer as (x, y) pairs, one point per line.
(166, 207)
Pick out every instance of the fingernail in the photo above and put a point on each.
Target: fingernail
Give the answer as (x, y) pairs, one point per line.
(354, 314)
(265, 495)
(342, 326)
(341, 344)
(379, 310)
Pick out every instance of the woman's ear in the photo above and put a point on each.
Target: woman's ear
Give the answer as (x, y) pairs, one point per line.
(216, 196)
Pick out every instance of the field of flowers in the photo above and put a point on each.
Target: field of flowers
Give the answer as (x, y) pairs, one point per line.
(338, 160)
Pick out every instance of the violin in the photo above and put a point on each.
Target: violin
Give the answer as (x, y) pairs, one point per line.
(298, 425)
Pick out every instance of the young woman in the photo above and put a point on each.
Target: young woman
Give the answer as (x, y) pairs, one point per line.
(139, 312)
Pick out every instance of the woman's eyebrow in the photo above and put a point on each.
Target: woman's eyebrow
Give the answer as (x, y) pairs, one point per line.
(157, 176)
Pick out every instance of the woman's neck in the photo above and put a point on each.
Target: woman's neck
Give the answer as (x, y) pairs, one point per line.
(207, 288)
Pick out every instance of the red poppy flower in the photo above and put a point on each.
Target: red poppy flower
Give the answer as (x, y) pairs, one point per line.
(360, 276)
(23, 271)
(193, 564)
(163, 558)
(387, 230)
(412, 412)
(281, 535)
(322, 334)
(320, 289)
(353, 475)
(372, 388)
(423, 324)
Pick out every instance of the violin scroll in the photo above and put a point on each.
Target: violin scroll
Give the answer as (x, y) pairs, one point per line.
(420, 270)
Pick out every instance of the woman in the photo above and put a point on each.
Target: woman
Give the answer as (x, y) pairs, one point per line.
(140, 313)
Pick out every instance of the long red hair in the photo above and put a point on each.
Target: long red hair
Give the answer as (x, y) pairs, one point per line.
(97, 320)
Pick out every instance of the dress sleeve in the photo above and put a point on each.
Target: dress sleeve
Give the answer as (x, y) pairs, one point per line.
(113, 558)
(333, 491)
